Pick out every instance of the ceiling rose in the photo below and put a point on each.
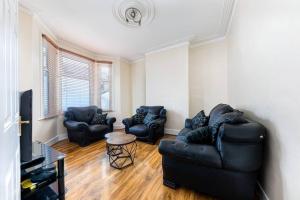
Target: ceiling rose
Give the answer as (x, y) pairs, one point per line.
(134, 13)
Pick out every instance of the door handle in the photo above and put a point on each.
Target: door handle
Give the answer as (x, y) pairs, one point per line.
(24, 122)
(20, 124)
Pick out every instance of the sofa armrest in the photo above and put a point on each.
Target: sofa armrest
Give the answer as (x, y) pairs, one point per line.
(73, 125)
(156, 123)
(128, 122)
(188, 123)
(110, 121)
(242, 133)
(68, 116)
(241, 146)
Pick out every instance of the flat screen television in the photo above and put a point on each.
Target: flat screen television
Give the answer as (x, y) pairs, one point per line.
(26, 128)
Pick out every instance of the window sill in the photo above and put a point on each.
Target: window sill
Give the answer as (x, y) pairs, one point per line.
(108, 111)
(61, 114)
(48, 117)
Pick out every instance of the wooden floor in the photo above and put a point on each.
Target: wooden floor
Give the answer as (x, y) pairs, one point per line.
(89, 175)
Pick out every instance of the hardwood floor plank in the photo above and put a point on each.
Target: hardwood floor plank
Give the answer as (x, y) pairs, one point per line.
(90, 177)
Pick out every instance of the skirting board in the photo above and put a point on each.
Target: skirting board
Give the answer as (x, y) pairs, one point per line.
(56, 139)
(118, 127)
(63, 136)
(171, 131)
(262, 194)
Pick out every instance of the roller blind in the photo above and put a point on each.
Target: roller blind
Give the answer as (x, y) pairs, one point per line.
(76, 79)
(49, 79)
(104, 89)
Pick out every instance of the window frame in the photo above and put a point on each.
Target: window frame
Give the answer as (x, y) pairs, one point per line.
(99, 83)
(51, 111)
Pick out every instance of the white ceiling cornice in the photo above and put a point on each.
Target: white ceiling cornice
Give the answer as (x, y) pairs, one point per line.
(226, 16)
(187, 43)
(234, 5)
(138, 60)
(204, 22)
(207, 42)
(124, 60)
(25, 9)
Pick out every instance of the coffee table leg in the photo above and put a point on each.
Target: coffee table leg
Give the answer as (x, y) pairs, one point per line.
(131, 150)
(114, 155)
(107, 149)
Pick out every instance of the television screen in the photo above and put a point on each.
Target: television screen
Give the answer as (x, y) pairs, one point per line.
(26, 126)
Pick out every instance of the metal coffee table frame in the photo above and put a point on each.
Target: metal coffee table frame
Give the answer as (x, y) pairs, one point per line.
(117, 152)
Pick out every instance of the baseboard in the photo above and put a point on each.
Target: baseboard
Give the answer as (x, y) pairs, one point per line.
(171, 131)
(118, 127)
(62, 136)
(56, 139)
(262, 194)
(52, 141)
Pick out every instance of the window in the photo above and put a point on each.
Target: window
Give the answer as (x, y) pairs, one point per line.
(73, 80)
(49, 78)
(76, 81)
(104, 86)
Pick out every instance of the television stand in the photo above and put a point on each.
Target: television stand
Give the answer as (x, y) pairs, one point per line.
(53, 187)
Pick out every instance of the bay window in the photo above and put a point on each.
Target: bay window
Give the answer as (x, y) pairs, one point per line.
(72, 80)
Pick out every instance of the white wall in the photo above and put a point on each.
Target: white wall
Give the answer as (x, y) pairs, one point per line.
(207, 76)
(138, 84)
(264, 60)
(167, 84)
(30, 29)
(125, 87)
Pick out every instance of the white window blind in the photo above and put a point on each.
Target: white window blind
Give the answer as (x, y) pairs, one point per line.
(76, 81)
(49, 79)
(104, 90)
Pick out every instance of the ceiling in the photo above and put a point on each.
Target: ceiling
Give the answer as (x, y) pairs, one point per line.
(92, 25)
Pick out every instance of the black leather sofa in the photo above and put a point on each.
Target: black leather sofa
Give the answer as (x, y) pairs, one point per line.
(228, 169)
(77, 121)
(147, 132)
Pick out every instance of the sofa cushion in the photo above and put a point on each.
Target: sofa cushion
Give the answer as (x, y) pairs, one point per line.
(200, 135)
(152, 109)
(217, 111)
(199, 120)
(149, 118)
(138, 118)
(184, 131)
(99, 119)
(139, 130)
(205, 155)
(98, 128)
(182, 134)
(181, 138)
(235, 117)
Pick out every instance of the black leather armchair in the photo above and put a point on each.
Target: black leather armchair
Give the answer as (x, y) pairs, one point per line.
(77, 121)
(228, 169)
(148, 132)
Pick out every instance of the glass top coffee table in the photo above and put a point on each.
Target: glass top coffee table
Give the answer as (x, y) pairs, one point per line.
(121, 149)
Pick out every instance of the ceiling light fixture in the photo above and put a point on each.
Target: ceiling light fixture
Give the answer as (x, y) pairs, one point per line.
(134, 13)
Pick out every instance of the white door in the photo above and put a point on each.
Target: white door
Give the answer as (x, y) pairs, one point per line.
(9, 102)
